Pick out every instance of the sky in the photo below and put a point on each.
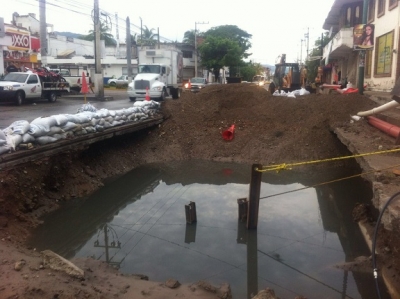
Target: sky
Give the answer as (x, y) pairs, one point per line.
(276, 27)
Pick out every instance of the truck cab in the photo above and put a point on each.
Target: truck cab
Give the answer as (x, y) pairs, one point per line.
(160, 73)
(153, 80)
(18, 86)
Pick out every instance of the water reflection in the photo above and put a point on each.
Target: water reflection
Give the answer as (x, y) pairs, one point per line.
(138, 224)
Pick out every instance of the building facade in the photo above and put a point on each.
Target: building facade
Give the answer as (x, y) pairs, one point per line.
(21, 47)
(343, 56)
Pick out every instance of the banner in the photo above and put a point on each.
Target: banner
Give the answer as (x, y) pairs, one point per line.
(363, 37)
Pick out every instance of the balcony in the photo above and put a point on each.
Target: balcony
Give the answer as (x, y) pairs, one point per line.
(341, 44)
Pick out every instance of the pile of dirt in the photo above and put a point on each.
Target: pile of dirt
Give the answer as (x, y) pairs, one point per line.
(268, 130)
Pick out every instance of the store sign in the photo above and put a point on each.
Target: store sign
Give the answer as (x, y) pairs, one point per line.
(19, 40)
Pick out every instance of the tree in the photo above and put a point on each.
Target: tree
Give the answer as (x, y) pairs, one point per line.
(148, 37)
(104, 35)
(312, 65)
(249, 69)
(224, 46)
(217, 52)
(189, 36)
(233, 33)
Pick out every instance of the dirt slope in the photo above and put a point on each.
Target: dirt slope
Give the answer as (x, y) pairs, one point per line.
(268, 130)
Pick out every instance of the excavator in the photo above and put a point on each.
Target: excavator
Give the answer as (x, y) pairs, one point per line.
(287, 76)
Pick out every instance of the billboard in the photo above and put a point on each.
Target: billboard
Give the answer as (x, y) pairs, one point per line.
(363, 37)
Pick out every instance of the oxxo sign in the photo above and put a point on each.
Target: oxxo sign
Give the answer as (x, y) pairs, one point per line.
(19, 40)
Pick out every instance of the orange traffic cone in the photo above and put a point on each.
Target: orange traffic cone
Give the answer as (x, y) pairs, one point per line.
(228, 134)
(147, 94)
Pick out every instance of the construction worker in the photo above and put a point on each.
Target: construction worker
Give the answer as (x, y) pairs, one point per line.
(303, 76)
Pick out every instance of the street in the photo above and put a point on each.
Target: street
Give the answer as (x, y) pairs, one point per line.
(10, 113)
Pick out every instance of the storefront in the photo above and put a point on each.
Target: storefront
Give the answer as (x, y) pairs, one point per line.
(23, 49)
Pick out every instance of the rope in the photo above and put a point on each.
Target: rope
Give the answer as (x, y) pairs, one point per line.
(329, 182)
(284, 166)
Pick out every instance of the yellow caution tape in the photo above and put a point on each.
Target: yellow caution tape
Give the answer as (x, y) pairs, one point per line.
(285, 166)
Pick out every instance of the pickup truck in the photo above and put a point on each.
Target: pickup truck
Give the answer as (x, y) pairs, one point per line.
(18, 86)
(74, 81)
(118, 81)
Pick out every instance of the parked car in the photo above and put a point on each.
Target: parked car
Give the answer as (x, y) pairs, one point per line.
(118, 81)
(196, 84)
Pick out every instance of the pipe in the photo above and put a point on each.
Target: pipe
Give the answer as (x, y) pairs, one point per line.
(381, 108)
(389, 129)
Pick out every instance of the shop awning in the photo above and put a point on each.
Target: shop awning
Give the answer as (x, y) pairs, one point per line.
(66, 53)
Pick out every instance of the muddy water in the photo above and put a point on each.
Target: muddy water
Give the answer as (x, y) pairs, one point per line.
(137, 223)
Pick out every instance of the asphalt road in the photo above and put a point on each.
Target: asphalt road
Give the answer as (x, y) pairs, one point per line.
(9, 112)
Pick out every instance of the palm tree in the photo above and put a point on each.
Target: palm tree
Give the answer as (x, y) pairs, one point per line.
(104, 35)
(188, 36)
(148, 37)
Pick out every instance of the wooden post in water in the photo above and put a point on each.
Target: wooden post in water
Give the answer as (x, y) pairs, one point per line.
(243, 207)
(190, 212)
(254, 197)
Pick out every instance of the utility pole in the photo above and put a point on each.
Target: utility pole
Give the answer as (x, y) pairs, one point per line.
(141, 34)
(361, 55)
(98, 76)
(307, 36)
(301, 51)
(117, 32)
(195, 46)
(129, 49)
(43, 32)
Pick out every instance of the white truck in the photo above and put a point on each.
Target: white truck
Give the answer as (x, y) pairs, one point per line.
(18, 86)
(160, 73)
(73, 80)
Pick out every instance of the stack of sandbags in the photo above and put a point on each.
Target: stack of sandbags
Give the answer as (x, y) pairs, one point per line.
(45, 130)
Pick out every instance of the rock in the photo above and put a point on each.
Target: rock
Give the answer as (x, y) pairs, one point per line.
(56, 262)
(265, 294)
(172, 283)
(19, 265)
(223, 292)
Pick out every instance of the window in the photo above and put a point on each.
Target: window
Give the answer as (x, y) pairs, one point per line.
(371, 11)
(381, 7)
(33, 79)
(351, 15)
(368, 64)
(383, 55)
(187, 54)
(393, 4)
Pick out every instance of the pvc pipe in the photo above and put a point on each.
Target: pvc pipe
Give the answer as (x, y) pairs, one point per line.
(381, 108)
(388, 128)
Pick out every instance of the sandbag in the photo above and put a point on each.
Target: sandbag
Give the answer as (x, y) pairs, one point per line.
(61, 119)
(28, 138)
(45, 140)
(4, 149)
(19, 127)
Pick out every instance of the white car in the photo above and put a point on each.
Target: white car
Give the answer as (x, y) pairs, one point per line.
(118, 81)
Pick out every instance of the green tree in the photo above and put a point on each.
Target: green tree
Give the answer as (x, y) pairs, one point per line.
(316, 52)
(148, 37)
(189, 36)
(104, 35)
(217, 52)
(233, 33)
(248, 70)
(224, 46)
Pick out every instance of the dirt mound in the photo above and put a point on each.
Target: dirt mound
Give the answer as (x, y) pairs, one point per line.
(268, 130)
